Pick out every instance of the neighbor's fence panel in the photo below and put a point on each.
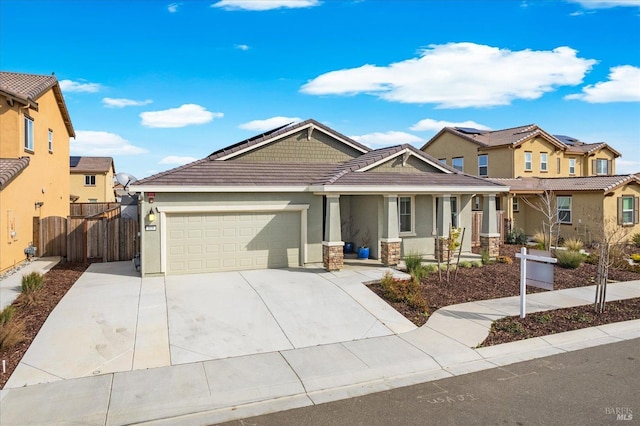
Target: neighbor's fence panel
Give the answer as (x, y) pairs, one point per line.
(75, 239)
(476, 226)
(90, 209)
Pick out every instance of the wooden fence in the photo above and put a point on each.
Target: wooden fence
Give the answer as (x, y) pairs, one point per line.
(476, 226)
(102, 235)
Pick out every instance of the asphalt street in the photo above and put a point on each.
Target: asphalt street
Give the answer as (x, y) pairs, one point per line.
(595, 386)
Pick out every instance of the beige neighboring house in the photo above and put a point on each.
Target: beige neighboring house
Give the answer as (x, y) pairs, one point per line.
(92, 179)
(530, 161)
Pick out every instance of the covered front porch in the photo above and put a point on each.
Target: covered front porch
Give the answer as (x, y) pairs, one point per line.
(393, 225)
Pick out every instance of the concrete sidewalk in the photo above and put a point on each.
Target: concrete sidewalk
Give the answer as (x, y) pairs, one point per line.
(10, 286)
(233, 388)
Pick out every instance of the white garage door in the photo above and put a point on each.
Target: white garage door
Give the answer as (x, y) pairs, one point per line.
(211, 242)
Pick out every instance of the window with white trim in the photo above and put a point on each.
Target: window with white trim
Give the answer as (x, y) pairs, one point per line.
(50, 139)
(90, 180)
(572, 166)
(483, 165)
(476, 202)
(454, 211)
(458, 163)
(405, 214)
(516, 204)
(528, 161)
(28, 133)
(564, 209)
(601, 166)
(543, 162)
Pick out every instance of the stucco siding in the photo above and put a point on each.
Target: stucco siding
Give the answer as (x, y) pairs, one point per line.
(102, 191)
(448, 146)
(423, 242)
(365, 211)
(296, 148)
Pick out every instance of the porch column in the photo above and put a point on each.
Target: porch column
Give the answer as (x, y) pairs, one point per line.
(490, 237)
(332, 246)
(443, 223)
(390, 241)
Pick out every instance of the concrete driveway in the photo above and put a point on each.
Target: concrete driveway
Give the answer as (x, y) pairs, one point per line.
(112, 320)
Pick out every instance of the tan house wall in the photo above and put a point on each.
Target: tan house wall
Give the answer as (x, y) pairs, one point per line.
(604, 154)
(500, 162)
(46, 179)
(296, 148)
(102, 192)
(536, 146)
(448, 146)
(412, 165)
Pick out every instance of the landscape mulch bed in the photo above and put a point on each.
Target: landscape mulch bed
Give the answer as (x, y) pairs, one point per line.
(498, 280)
(56, 284)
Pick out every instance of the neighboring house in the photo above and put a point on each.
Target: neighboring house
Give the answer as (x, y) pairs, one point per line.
(92, 179)
(520, 152)
(282, 199)
(530, 156)
(585, 205)
(35, 128)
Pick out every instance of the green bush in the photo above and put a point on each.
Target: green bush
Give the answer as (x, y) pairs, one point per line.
(477, 263)
(465, 264)
(516, 236)
(413, 261)
(484, 257)
(569, 259)
(6, 314)
(430, 268)
(573, 244)
(407, 291)
(31, 282)
(636, 239)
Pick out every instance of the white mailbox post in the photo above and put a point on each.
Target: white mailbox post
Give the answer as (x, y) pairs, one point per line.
(536, 270)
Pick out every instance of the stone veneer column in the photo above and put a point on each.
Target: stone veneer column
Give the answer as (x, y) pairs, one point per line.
(490, 237)
(390, 251)
(332, 246)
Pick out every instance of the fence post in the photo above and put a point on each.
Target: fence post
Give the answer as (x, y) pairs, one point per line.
(105, 240)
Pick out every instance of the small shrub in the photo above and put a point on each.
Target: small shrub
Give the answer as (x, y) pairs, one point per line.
(386, 280)
(407, 291)
(6, 314)
(32, 282)
(573, 244)
(636, 239)
(477, 263)
(569, 259)
(516, 236)
(539, 238)
(504, 259)
(592, 258)
(413, 261)
(543, 319)
(430, 268)
(509, 326)
(579, 317)
(635, 257)
(484, 257)
(465, 264)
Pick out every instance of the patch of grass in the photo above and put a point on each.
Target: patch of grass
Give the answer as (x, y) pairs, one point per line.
(30, 286)
(11, 331)
(543, 319)
(573, 244)
(430, 268)
(569, 259)
(413, 261)
(465, 264)
(508, 325)
(580, 317)
(477, 263)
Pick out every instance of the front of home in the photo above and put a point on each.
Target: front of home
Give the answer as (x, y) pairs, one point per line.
(294, 196)
(35, 129)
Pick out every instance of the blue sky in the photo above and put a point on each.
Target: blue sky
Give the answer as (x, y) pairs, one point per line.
(155, 84)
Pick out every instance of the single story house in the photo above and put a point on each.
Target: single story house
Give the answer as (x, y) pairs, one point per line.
(292, 196)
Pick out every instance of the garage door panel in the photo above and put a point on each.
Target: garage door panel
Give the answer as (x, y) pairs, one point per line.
(199, 243)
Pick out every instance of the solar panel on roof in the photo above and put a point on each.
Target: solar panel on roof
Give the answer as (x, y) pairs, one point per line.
(470, 130)
(74, 161)
(567, 140)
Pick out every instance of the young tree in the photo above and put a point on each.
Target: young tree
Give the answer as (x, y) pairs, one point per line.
(547, 204)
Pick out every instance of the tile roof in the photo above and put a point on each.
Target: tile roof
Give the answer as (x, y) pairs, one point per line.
(581, 183)
(275, 133)
(27, 88)
(90, 164)
(10, 168)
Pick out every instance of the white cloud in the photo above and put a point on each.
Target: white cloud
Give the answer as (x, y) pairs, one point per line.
(459, 75)
(244, 47)
(122, 102)
(626, 167)
(437, 125)
(79, 86)
(260, 5)
(268, 124)
(623, 85)
(173, 7)
(605, 4)
(98, 143)
(182, 116)
(175, 159)
(379, 139)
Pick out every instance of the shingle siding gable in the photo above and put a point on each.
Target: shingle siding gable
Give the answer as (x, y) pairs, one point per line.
(321, 148)
(413, 165)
